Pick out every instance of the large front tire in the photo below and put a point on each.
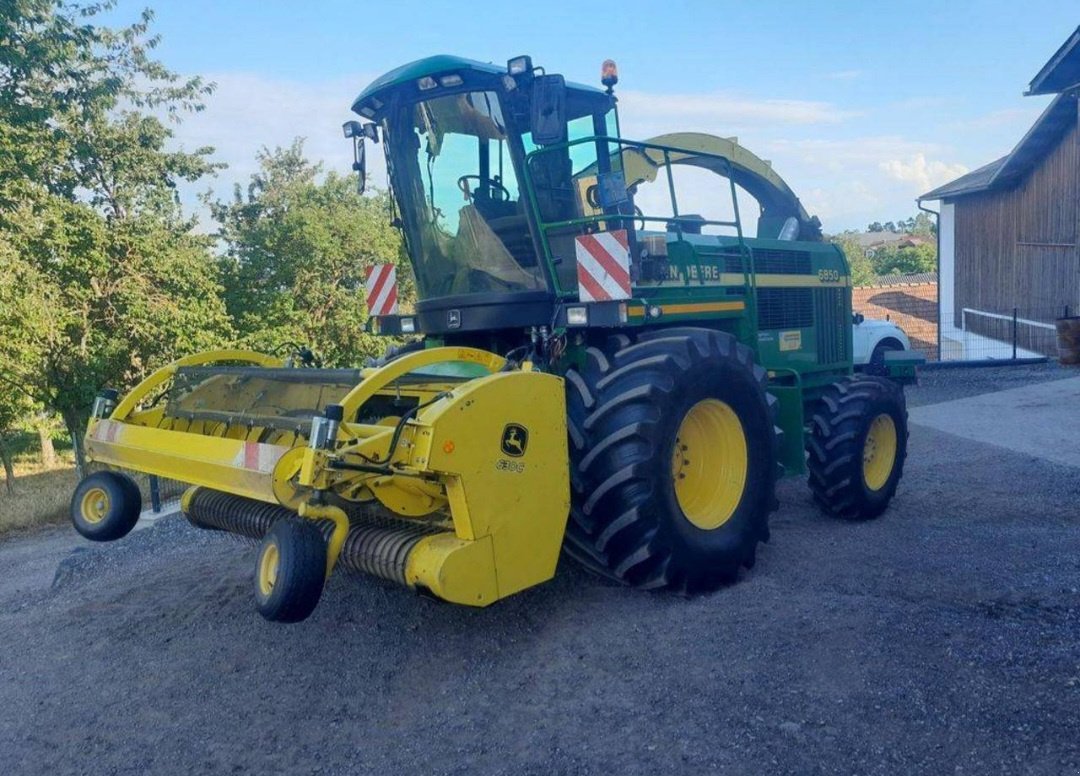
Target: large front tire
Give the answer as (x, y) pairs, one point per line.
(673, 449)
(857, 446)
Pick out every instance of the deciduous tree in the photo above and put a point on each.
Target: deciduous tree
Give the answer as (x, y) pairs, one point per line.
(297, 246)
(107, 278)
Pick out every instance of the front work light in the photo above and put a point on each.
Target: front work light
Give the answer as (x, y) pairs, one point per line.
(426, 83)
(352, 129)
(519, 65)
(577, 316)
(450, 80)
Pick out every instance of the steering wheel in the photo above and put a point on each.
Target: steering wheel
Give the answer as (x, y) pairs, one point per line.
(463, 184)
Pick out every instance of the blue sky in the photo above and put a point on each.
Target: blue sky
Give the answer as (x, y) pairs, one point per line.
(861, 106)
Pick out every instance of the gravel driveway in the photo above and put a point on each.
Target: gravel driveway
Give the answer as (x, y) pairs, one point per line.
(942, 638)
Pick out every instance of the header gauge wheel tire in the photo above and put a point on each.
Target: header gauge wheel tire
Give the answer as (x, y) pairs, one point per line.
(673, 445)
(105, 506)
(290, 571)
(857, 446)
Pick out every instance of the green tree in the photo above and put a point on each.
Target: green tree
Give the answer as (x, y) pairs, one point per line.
(297, 247)
(923, 225)
(890, 260)
(862, 271)
(108, 278)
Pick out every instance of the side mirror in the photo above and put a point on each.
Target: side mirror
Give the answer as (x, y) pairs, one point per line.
(360, 163)
(548, 119)
(358, 133)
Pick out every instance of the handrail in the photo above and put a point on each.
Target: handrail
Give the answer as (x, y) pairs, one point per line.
(678, 221)
(1001, 317)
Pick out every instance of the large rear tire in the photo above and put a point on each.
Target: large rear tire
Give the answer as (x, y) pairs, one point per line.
(857, 446)
(673, 446)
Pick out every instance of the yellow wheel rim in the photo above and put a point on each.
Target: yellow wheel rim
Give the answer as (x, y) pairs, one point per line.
(879, 452)
(709, 464)
(94, 505)
(268, 568)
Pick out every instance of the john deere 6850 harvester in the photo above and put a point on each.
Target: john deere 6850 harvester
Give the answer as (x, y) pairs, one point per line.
(584, 376)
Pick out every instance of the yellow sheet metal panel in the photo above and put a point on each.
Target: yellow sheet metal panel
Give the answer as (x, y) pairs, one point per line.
(155, 380)
(455, 570)
(232, 465)
(410, 362)
(502, 440)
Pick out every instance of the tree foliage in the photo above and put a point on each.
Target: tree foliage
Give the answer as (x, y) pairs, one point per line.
(297, 247)
(106, 278)
(893, 260)
(919, 224)
(862, 270)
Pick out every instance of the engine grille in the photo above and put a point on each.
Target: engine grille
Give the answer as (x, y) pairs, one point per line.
(833, 325)
(785, 308)
(771, 261)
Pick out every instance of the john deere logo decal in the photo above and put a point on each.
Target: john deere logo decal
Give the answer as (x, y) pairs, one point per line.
(453, 319)
(515, 439)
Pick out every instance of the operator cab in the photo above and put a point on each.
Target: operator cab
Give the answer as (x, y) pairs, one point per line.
(456, 134)
(503, 176)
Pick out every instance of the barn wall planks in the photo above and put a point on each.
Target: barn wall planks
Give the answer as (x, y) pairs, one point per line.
(1018, 247)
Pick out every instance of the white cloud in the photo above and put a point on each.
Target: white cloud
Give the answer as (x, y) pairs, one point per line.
(848, 182)
(925, 173)
(844, 75)
(248, 111)
(673, 112)
(1006, 117)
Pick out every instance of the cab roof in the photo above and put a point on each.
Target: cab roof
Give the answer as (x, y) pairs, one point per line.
(436, 65)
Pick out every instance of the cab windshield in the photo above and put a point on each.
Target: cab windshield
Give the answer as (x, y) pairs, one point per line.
(461, 204)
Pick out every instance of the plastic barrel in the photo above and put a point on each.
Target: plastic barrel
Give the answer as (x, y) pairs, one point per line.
(1068, 333)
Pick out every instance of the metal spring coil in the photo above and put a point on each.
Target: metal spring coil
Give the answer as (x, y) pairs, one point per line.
(376, 544)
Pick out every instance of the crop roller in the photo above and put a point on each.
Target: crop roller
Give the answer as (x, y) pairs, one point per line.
(444, 470)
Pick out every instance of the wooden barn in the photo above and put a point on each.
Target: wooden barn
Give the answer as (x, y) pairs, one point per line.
(1008, 231)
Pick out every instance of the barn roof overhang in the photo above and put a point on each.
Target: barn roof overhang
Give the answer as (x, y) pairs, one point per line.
(1062, 71)
(1003, 173)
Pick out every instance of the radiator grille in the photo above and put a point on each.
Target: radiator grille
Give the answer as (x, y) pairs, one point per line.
(785, 308)
(771, 261)
(833, 325)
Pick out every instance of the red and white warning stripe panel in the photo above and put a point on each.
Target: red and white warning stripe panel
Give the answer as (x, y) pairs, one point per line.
(258, 457)
(603, 266)
(381, 285)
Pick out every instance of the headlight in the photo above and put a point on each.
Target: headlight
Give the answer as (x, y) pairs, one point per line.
(577, 316)
(408, 325)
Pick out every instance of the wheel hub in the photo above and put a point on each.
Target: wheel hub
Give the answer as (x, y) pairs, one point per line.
(879, 452)
(268, 569)
(95, 505)
(709, 464)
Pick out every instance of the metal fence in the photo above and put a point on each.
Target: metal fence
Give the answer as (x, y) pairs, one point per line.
(1013, 333)
(969, 333)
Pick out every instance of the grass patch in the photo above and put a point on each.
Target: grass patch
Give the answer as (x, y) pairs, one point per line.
(40, 498)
